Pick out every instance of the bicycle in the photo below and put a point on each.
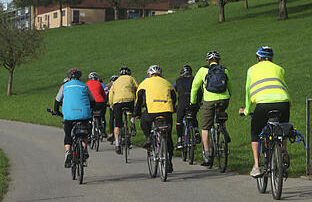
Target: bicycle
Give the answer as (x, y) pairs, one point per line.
(189, 140)
(124, 137)
(79, 132)
(219, 139)
(157, 154)
(97, 130)
(273, 159)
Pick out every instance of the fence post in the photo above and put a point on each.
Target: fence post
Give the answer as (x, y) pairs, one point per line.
(308, 136)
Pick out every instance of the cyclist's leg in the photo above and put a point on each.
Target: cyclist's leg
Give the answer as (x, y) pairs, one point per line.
(195, 126)
(117, 108)
(169, 141)
(179, 125)
(258, 122)
(146, 126)
(208, 113)
(68, 125)
(111, 125)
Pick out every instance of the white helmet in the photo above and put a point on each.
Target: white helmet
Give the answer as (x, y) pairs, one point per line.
(154, 69)
(93, 75)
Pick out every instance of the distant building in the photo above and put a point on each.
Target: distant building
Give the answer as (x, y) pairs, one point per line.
(94, 11)
(20, 16)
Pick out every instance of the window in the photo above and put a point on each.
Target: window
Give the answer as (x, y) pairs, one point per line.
(63, 13)
(46, 17)
(55, 15)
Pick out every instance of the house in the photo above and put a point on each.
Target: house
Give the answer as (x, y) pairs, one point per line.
(20, 16)
(95, 11)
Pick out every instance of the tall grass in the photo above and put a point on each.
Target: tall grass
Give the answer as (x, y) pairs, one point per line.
(172, 41)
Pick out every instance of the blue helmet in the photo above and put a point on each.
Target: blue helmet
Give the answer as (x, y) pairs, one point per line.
(265, 52)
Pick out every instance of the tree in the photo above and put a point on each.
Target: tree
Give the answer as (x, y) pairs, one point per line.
(18, 46)
(283, 9)
(221, 10)
(246, 4)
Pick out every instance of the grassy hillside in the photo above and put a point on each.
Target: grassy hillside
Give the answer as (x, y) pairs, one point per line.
(171, 41)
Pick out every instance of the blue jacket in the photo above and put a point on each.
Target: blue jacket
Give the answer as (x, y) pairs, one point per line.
(76, 99)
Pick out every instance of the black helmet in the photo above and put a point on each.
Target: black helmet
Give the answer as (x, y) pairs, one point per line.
(124, 71)
(213, 55)
(186, 70)
(74, 73)
(113, 78)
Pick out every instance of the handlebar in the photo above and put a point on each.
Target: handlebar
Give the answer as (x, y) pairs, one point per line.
(53, 113)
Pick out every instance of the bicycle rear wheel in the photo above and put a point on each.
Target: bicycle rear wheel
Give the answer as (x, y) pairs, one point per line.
(97, 135)
(212, 146)
(277, 170)
(152, 159)
(81, 162)
(126, 137)
(185, 144)
(262, 180)
(222, 150)
(163, 159)
(73, 167)
(191, 145)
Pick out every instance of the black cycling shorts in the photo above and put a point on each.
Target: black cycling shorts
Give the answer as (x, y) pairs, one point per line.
(259, 118)
(117, 109)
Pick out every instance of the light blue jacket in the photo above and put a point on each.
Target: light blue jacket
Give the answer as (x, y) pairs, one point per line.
(76, 99)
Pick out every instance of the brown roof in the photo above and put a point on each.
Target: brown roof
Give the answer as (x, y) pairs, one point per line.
(161, 5)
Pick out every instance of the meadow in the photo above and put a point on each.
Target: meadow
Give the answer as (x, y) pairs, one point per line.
(171, 41)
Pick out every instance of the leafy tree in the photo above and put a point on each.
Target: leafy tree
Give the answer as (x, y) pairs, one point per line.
(283, 9)
(18, 46)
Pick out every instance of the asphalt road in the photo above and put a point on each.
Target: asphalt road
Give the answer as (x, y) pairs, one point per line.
(37, 174)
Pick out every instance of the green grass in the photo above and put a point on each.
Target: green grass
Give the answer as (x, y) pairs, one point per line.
(171, 41)
(3, 174)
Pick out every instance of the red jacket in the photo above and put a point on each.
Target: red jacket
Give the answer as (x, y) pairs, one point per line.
(97, 90)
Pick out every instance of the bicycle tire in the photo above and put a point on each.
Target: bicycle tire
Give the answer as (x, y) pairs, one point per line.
(81, 162)
(163, 159)
(185, 144)
(191, 146)
(126, 137)
(262, 180)
(73, 167)
(152, 159)
(222, 149)
(212, 148)
(92, 146)
(277, 171)
(97, 135)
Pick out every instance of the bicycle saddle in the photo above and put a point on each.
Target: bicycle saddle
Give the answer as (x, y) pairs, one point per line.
(97, 113)
(161, 123)
(274, 116)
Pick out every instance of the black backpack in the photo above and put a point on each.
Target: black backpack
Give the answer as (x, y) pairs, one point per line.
(216, 79)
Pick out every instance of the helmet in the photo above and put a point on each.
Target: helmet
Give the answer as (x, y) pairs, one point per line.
(154, 69)
(265, 52)
(93, 75)
(113, 78)
(124, 71)
(74, 73)
(66, 80)
(186, 70)
(213, 55)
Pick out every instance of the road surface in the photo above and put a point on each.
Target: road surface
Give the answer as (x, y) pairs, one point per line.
(37, 174)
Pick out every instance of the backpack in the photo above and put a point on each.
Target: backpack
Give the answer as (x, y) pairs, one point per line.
(216, 79)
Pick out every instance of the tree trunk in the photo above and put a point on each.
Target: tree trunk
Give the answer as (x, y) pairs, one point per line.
(143, 14)
(283, 10)
(61, 17)
(116, 13)
(246, 4)
(10, 82)
(34, 17)
(221, 12)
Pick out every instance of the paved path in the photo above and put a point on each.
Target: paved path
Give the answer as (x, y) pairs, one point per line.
(37, 174)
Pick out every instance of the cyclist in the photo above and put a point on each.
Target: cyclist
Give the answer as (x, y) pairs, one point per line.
(183, 87)
(111, 113)
(159, 98)
(122, 94)
(210, 99)
(98, 93)
(77, 101)
(266, 87)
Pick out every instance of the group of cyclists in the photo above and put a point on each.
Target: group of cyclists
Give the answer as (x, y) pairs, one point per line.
(212, 84)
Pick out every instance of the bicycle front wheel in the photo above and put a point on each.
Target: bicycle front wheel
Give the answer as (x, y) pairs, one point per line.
(222, 150)
(191, 146)
(262, 180)
(152, 159)
(81, 162)
(163, 159)
(277, 171)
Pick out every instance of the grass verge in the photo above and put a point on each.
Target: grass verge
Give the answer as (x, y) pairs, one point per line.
(3, 175)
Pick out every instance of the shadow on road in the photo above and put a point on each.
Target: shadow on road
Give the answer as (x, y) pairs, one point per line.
(297, 193)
